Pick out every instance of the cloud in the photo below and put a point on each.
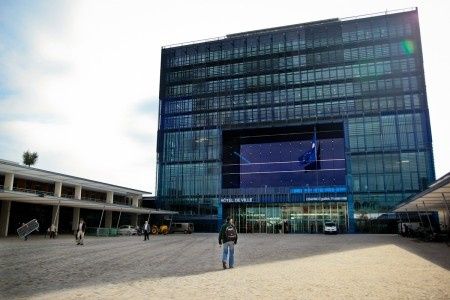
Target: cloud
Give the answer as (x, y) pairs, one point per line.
(79, 80)
(149, 106)
(73, 90)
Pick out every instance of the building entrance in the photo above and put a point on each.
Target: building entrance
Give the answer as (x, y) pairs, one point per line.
(287, 218)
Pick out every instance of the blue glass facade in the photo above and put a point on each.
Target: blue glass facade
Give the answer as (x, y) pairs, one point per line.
(238, 113)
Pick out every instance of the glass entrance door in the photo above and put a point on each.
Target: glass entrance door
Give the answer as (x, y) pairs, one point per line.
(287, 218)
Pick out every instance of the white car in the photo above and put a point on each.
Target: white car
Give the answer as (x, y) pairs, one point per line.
(127, 230)
(330, 228)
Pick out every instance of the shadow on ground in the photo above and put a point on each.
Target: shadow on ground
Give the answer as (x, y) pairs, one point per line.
(41, 265)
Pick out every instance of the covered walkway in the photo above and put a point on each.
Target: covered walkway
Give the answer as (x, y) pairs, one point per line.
(435, 199)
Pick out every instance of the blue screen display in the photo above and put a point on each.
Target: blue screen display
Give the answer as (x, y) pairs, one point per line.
(291, 161)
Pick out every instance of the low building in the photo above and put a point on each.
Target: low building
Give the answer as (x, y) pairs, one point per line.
(28, 193)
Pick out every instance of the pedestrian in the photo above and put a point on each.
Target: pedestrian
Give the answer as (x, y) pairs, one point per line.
(146, 230)
(228, 237)
(80, 232)
(52, 231)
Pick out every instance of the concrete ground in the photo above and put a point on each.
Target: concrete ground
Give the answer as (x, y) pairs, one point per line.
(188, 266)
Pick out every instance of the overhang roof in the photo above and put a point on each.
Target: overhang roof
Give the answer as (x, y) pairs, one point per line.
(52, 200)
(436, 197)
(68, 180)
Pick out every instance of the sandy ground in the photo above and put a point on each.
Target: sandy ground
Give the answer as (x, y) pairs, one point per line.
(188, 267)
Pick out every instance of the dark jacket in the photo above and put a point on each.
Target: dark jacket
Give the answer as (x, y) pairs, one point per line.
(223, 236)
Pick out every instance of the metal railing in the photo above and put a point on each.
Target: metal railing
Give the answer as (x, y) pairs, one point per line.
(30, 191)
(195, 42)
(65, 196)
(94, 199)
(101, 231)
(381, 13)
(252, 32)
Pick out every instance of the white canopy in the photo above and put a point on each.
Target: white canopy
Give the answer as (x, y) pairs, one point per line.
(436, 197)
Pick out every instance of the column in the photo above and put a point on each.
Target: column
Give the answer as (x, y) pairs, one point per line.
(76, 210)
(108, 214)
(135, 201)
(4, 218)
(108, 219)
(9, 182)
(78, 192)
(109, 197)
(75, 218)
(134, 220)
(351, 224)
(55, 213)
(58, 188)
(220, 217)
(6, 206)
(56, 210)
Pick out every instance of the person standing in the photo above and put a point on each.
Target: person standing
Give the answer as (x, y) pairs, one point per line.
(228, 237)
(80, 233)
(146, 230)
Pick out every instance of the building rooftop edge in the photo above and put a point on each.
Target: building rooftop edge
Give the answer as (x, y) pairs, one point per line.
(15, 164)
(274, 29)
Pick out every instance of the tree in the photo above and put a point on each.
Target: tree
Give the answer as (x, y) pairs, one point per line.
(29, 158)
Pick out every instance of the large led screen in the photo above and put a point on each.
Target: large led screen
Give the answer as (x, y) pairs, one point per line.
(294, 157)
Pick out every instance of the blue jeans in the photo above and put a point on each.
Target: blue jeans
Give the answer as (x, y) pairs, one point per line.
(229, 245)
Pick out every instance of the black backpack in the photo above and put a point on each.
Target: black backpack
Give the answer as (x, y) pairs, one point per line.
(230, 233)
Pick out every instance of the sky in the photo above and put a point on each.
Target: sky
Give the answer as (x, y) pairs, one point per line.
(79, 80)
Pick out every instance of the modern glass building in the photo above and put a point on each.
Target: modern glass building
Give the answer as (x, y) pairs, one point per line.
(286, 128)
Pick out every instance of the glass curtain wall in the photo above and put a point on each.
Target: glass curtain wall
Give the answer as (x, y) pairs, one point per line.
(288, 218)
(366, 73)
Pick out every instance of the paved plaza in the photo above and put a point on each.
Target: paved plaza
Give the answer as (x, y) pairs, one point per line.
(188, 266)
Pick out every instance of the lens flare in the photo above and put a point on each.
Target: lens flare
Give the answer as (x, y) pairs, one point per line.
(408, 46)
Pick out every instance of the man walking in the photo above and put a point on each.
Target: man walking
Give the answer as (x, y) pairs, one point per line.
(146, 230)
(52, 231)
(228, 237)
(80, 233)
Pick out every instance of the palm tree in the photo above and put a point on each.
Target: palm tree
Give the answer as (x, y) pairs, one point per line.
(29, 158)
